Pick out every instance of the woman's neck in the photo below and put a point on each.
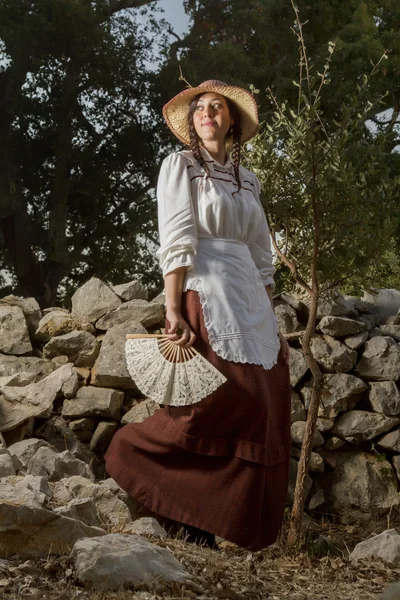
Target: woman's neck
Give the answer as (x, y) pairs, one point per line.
(217, 151)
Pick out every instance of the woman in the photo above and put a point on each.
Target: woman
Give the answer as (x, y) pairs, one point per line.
(219, 466)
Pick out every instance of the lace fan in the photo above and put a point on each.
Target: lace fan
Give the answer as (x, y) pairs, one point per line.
(168, 373)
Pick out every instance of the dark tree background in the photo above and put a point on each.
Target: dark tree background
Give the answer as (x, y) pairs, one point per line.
(81, 134)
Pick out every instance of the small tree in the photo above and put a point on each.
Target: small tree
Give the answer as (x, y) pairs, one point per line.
(329, 201)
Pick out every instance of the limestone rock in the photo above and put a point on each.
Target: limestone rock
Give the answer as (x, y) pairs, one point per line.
(18, 404)
(384, 546)
(333, 443)
(29, 307)
(112, 510)
(81, 347)
(146, 526)
(357, 426)
(361, 485)
(391, 593)
(286, 317)
(134, 290)
(298, 412)
(6, 464)
(326, 308)
(323, 424)
(28, 490)
(34, 532)
(55, 466)
(14, 334)
(391, 441)
(22, 452)
(380, 360)
(332, 355)
(140, 412)
(385, 302)
(56, 322)
(356, 341)
(298, 429)
(20, 379)
(93, 300)
(94, 402)
(102, 436)
(139, 311)
(83, 429)
(12, 365)
(340, 393)
(110, 369)
(355, 303)
(391, 330)
(57, 432)
(340, 326)
(316, 461)
(117, 561)
(160, 298)
(298, 366)
(370, 321)
(384, 397)
(80, 509)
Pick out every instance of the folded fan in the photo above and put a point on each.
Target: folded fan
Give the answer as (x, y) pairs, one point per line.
(168, 373)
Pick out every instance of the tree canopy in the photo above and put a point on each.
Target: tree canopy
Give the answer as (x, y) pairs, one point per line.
(78, 143)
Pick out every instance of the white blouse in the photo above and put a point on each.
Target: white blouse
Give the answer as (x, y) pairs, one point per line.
(222, 237)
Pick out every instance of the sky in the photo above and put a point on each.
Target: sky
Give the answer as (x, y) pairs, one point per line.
(175, 14)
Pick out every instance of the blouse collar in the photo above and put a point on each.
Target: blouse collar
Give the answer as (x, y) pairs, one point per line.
(214, 164)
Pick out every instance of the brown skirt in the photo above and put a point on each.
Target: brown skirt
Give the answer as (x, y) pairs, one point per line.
(220, 465)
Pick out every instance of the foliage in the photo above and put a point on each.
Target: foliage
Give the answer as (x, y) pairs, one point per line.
(78, 144)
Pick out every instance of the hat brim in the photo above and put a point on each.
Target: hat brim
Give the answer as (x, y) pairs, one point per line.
(176, 111)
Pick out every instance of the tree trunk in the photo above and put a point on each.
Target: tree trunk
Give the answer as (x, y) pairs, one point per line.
(296, 518)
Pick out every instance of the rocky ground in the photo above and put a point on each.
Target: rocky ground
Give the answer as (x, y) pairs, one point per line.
(320, 571)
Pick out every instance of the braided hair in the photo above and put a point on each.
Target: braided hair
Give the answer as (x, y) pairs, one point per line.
(233, 138)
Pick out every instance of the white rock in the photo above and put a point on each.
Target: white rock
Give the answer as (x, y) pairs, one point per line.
(39, 367)
(298, 430)
(29, 490)
(286, 317)
(391, 330)
(356, 341)
(140, 412)
(117, 561)
(332, 355)
(298, 366)
(146, 526)
(93, 300)
(340, 326)
(102, 436)
(6, 464)
(36, 532)
(139, 311)
(94, 402)
(380, 360)
(298, 412)
(391, 593)
(19, 404)
(134, 290)
(384, 397)
(14, 334)
(361, 486)
(110, 369)
(57, 432)
(81, 347)
(357, 426)
(333, 443)
(384, 546)
(316, 461)
(56, 322)
(29, 307)
(81, 509)
(22, 452)
(55, 466)
(340, 393)
(385, 302)
(391, 441)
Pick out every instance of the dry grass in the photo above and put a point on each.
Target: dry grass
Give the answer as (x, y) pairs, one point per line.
(276, 573)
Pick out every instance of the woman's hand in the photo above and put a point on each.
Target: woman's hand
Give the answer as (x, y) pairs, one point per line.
(285, 348)
(176, 324)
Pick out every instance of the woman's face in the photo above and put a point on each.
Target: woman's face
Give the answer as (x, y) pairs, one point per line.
(211, 117)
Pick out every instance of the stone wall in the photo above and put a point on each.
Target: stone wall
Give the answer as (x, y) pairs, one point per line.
(65, 390)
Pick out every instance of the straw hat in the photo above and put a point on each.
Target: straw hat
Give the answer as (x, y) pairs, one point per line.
(176, 110)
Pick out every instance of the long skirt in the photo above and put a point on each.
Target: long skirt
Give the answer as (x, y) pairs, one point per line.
(220, 465)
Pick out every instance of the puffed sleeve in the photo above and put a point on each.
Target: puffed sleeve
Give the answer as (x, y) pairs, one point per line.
(261, 248)
(176, 218)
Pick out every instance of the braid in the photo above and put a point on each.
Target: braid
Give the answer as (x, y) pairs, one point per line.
(194, 139)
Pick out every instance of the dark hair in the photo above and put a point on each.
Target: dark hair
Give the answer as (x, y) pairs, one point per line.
(236, 136)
